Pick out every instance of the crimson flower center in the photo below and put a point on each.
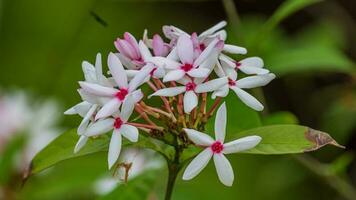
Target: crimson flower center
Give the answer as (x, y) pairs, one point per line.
(118, 123)
(121, 94)
(237, 64)
(217, 147)
(231, 82)
(153, 71)
(202, 46)
(190, 86)
(186, 67)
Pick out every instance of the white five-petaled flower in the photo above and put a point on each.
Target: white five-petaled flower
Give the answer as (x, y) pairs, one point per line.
(188, 64)
(117, 123)
(216, 149)
(245, 83)
(90, 103)
(251, 65)
(190, 90)
(116, 96)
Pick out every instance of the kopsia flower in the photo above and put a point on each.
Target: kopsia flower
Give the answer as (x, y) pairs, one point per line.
(180, 72)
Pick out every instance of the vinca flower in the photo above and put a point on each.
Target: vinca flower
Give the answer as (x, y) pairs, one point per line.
(216, 149)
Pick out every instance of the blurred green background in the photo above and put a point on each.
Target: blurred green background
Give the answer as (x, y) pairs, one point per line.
(312, 52)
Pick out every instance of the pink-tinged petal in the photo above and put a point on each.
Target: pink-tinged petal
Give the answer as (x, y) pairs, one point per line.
(252, 62)
(125, 48)
(253, 70)
(89, 98)
(117, 71)
(133, 42)
(227, 60)
(80, 144)
(213, 29)
(248, 99)
(98, 68)
(159, 72)
(174, 75)
(129, 132)
(140, 77)
(190, 101)
(169, 92)
(219, 70)
(223, 169)
(81, 108)
(145, 39)
(185, 49)
(96, 89)
(199, 72)
(230, 72)
(234, 49)
(222, 92)
(114, 147)
(127, 62)
(108, 109)
(84, 123)
(242, 144)
(127, 108)
(164, 62)
(137, 95)
(99, 127)
(206, 53)
(197, 164)
(255, 81)
(130, 73)
(89, 72)
(211, 85)
(199, 138)
(220, 123)
(158, 45)
(173, 55)
(145, 52)
(222, 35)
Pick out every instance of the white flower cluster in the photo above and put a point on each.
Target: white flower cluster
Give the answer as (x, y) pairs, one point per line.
(181, 72)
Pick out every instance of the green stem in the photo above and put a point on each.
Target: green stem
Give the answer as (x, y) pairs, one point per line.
(173, 169)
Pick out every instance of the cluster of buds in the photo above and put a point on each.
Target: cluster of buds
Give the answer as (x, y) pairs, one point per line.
(183, 73)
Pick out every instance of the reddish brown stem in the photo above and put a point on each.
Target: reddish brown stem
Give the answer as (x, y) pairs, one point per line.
(213, 108)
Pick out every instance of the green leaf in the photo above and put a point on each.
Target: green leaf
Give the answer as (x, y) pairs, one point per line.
(287, 139)
(286, 9)
(282, 117)
(62, 149)
(309, 58)
(136, 189)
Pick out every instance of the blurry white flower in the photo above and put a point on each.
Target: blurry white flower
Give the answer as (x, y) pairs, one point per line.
(132, 163)
(216, 149)
(36, 121)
